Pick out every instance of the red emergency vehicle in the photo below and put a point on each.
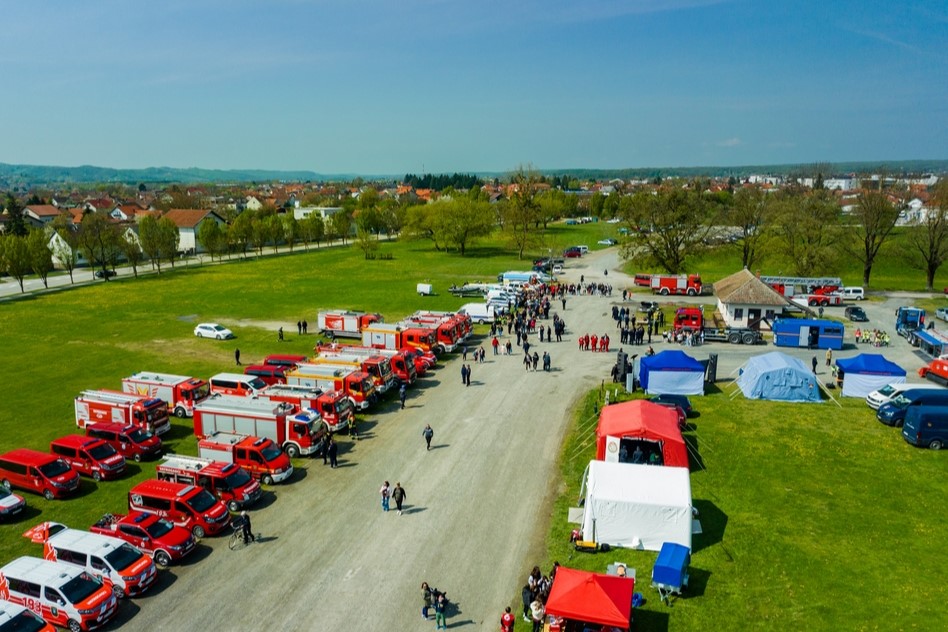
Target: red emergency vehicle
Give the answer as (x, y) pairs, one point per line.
(666, 284)
(357, 385)
(163, 540)
(188, 506)
(344, 323)
(448, 332)
(333, 407)
(181, 392)
(403, 365)
(376, 365)
(89, 456)
(262, 458)
(148, 413)
(227, 481)
(383, 336)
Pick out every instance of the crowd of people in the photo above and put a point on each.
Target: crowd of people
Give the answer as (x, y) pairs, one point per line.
(874, 337)
(534, 595)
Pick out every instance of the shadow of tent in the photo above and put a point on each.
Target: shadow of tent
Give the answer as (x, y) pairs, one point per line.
(697, 582)
(695, 462)
(713, 523)
(651, 620)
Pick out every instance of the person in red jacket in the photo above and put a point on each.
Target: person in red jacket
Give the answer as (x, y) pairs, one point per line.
(507, 621)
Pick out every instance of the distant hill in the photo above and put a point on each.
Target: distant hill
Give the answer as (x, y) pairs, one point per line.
(24, 177)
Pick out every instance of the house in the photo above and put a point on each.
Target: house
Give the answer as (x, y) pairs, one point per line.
(40, 214)
(302, 212)
(188, 221)
(743, 300)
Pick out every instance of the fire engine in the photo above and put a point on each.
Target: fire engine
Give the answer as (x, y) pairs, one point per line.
(376, 365)
(333, 407)
(181, 392)
(357, 385)
(346, 324)
(691, 319)
(262, 458)
(295, 431)
(404, 367)
(811, 291)
(148, 413)
(448, 332)
(382, 336)
(666, 284)
(227, 481)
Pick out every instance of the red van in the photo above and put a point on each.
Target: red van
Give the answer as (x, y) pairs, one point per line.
(89, 456)
(131, 441)
(193, 508)
(269, 373)
(286, 360)
(38, 472)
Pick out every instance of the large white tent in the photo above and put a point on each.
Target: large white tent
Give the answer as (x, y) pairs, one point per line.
(637, 506)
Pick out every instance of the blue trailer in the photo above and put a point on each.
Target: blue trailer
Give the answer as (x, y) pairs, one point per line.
(807, 333)
(909, 320)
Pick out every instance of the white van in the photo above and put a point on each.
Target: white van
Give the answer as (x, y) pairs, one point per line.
(16, 618)
(480, 313)
(854, 294)
(583, 250)
(130, 570)
(62, 594)
(236, 384)
(884, 395)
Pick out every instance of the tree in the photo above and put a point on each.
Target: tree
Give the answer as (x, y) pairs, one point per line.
(260, 232)
(341, 223)
(313, 228)
(66, 248)
(291, 230)
(366, 241)
(467, 218)
(751, 212)
(241, 231)
(875, 218)
(132, 250)
(16, 257)
(274, 226)
(169, 237)
(928, 236)
(16, 225)
(99, 240)
(666, 227)
(41, 259)
(807, 232)
(521, 210)
(150, 238)
(213, 238)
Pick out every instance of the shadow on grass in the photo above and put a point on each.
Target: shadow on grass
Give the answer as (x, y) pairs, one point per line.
(695, 462)
(651, 620)
(697, 582)
(713, 524)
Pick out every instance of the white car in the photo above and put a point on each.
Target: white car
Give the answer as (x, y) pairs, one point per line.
(10, 503)
(607, 242)
(942, 313)
(213, 330)
(557, 269)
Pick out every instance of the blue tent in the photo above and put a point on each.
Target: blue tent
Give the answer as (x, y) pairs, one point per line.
(777, 376)
(673, 372)
(868, 372)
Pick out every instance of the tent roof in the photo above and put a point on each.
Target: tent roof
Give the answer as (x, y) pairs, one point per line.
(639, 414)
(775, 360)
(671, 360)
(874, 363)
(641, 484)
(591, 597)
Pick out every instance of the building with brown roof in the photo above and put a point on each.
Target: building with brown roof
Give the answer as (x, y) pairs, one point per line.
(744, 300)
(188, 221)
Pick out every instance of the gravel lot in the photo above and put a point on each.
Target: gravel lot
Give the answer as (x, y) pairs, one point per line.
(477, 507)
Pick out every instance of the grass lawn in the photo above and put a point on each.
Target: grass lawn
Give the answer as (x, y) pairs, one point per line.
(813, 517)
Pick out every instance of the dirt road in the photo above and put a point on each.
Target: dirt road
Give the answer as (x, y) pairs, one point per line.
(476, 508)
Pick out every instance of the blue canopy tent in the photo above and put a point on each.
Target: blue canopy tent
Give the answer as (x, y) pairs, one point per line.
(868, 372)
(778, 376)
(673, 372)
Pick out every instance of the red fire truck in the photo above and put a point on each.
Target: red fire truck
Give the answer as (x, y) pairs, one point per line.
(666, 284)
(346, 324)
(691, 319)
(181, 392)
(448, 332)
(810, 291)
(227, 481)
(404, 367)
(148, 413)
(262, 458)
(333, 407)
(357, 385)
(294, 431)
(376, 365)
(382, 336)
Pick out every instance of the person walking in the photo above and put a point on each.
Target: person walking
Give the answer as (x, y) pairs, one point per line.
(299, 328)
(305, 325)
(402, 395)
(399, 495)
(536, 360)
(546, 361)
(354, 428)
(464, 374)
(464, 353)
(324, 449)
(495, 343)
(385, 493)
(428, 434)
(537, 614)
(526, 596)
(280, 335)
(814, 364)
(425, 600)
(237, 356)
(829, 357)
(506, 621)
(468, 378)
(440, 606)
(333, 450)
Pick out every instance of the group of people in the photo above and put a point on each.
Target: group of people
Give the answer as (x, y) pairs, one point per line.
(534, 595)
(683, 337)
(874, 337)
(594, 343)
(533, 361)
(389, 493)
(436, 600)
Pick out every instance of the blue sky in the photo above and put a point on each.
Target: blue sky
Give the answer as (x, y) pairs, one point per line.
(389, 87)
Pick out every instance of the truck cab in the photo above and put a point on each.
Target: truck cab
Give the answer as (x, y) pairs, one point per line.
(89, 456)
(227, 481)
(261, 457)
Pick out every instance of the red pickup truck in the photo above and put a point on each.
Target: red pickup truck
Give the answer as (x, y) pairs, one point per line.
(164, 541)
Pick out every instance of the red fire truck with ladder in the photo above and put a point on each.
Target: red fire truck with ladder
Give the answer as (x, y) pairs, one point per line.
(813, 291)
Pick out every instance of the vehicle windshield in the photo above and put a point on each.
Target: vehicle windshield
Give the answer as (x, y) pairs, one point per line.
(102, 451)
(900, 401)
(201, 502)
(257, 384)
(157, 413)
(159, 528)
(238, 479)
(139, 436)
(79, 588)
(4, 492)
(123, 557)
(386, 367)
(54, 469)
(887, 390)
(219, 328)
(200, 392)
(366, 386)
(343, 406)
(270, 453)
(26, 621)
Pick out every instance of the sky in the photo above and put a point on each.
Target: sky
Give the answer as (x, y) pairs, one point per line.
(412, 86)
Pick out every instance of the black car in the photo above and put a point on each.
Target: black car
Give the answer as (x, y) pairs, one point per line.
(105, 274)
(681, 401)
(856, 314)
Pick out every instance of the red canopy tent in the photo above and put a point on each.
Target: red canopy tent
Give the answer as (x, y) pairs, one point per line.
(645, 420)
(591, 597)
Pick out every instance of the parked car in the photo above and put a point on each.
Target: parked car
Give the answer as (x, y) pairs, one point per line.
(558, 269)
(105, 274)
(856, 314)
(572, 253)
(607, 242)
(680, 401)
(213, 330)
(942, 313)
(10, 503)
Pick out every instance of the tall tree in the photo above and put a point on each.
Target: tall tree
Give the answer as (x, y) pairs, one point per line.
(241, 232)
(751, 212)
(807, 232)
(66, 248)
(41, 258)
(16, 257)
(170, 239)
(341, 224)
(291, 230)
(467, 219)
(665, 228)
(150, 238)
(929, 235)
(212, 237)
(521, 210)
(98, 238)
(16, 225)
(875, 217)
(131, 250)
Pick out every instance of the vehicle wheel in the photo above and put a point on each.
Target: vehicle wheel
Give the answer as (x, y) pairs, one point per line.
(96, 476)
(118, 591)
(220, 336)
(6, 484)
(233, 506)
(734, 339)
(824, 302)
(198, 532)
(292, 451)
(663, 291)
(935, 445)
(162, 559)
(691, 291)
(137, 458)
(200, 335)
(74, 626)
(812, 302)
(234, 543)
(267, 479)
(748, 339)
(180, 412)
(48, 494)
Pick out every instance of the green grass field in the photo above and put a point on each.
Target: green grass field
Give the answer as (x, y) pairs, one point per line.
(814, 517)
